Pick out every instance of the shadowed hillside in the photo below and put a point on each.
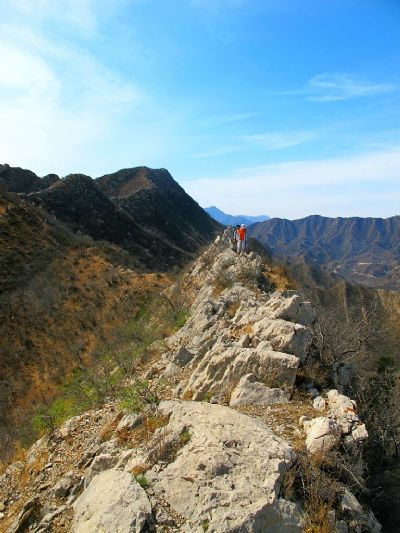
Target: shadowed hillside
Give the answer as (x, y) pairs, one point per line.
(361, 250)
(153, 199)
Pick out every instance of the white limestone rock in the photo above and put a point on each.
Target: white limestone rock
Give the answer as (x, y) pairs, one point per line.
(322, 434)
(129, 422)
(101, 462)
(227, 475)
(352, 508)
(359, 433)
(225, 366)
(251, 392)
(113, 503)
(343, 410)
(290, 306)
(319, 403)
(171, 370)
(284, 336)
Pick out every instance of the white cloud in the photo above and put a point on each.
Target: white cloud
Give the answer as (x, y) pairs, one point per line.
(332, 86)
(221, 120)
(78, 14)
(329, 87)
(25, 72)
(279, 140)
(343, 186)
(58, 103)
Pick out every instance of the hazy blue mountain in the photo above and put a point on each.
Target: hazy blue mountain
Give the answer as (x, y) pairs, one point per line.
(226, 219)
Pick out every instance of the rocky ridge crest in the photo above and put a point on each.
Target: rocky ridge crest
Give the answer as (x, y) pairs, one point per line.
(216, 453)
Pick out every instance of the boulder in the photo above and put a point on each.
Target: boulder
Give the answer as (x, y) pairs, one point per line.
(359, 433)
(113, 503)
(291, 307)
(227, 476)
(365, 520)
(251, 392)
(343, 410)
(225, 366)
(319, 403)
(322, 434)
(284, 336)
(64, 485)
(182, 356)
(171, 370)
(101, 462)
(129, 422)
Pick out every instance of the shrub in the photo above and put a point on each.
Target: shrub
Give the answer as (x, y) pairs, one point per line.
(139, 395)
(142, 480)
(185, 437)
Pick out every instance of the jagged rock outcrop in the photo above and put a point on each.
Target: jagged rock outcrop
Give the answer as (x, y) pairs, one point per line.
(240, 330)
(191, 466)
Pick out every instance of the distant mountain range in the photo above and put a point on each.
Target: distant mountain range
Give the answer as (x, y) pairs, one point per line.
(361, 250)
(226, 219)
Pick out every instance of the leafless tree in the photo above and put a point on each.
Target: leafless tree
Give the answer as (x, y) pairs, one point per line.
(341, 339)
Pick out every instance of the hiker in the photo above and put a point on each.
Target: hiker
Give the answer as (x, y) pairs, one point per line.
(241, 240)
(235, 233)
(227, 235)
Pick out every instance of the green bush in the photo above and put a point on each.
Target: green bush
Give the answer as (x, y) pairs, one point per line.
(185, 437)
(142, 480)
(139, 395)
(181, 318)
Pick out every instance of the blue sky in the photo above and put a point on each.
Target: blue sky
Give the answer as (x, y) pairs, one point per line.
(286, 108)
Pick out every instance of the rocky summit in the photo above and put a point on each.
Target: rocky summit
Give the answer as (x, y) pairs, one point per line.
(231, 438)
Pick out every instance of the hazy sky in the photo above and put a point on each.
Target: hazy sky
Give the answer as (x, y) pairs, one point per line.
(287, 108)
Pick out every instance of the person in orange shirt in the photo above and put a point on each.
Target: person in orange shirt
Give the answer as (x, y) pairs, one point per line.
(241, 240)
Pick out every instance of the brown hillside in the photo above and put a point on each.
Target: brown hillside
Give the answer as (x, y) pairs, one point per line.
(62, 296)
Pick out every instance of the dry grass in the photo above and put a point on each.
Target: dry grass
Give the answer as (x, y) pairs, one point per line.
(139, 470)
(109, 428)
(238, 331)
(187, 395)
(280, 279)
(17, 453)
(144, 431)
(232, 308)
(70, 310)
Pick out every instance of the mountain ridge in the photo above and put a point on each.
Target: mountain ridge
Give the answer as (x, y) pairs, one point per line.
(361, 250)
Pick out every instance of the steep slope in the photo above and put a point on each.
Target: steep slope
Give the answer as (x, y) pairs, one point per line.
(226, 219)
(228, 464)
(154, 199)
(61, 297)
(78, 201)
(346, 299)
(365, 251)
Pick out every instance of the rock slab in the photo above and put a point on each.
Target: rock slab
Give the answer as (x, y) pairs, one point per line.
(113, 503)
(227, 476)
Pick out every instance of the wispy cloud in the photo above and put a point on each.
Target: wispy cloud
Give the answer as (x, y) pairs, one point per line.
(298, 188)
(222, 120)
(58, 101)
(334, 87)
(279, 140)
(269, 141)
(78, 14)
